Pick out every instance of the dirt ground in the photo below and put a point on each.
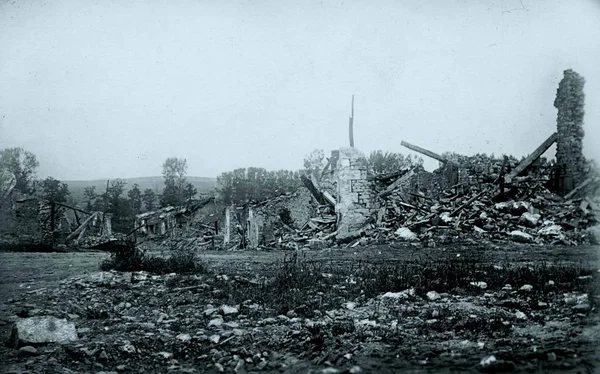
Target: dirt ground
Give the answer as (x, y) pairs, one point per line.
(60, 282)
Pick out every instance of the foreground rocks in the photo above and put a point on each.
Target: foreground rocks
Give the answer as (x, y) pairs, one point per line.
(186, 324)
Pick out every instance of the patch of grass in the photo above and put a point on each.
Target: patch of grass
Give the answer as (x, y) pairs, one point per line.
(455, 275)
(302, 286)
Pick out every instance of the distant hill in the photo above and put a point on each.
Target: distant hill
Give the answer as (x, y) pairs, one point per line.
(202, 184)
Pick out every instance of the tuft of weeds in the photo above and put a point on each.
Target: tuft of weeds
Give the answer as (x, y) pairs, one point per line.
(128, 257)
(180, 262)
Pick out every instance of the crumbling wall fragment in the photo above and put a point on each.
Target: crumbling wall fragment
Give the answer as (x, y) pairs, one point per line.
(569, 155)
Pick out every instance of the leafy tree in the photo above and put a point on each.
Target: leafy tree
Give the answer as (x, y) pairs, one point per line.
(174, 168)
(90, 195)
(170, 195)
(118, 205)
(189, 191)
(149, 198)
(22, 164)
(255, 184)
(225, 187)
(174, 171)
(115, 191)
(7, 183)
(314, 162)
(55, 190)
(388, 162)
(135, 199)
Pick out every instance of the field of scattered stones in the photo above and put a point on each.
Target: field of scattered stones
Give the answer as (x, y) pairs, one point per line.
(472, 307)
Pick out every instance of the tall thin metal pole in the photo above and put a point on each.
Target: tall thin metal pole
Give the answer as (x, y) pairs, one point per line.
(352, 124)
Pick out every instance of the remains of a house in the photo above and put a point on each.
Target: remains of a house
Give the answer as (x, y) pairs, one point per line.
(31, 220)
(177, 227)
(500, 199)
(531, 200)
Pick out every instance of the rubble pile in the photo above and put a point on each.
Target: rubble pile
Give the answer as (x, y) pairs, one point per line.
(479, 197)
(526, 212)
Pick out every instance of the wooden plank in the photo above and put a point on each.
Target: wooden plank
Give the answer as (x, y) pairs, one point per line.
(578, 188)
(526, 163)
(71, 207)
(396, 183)
(593, 204)
(329, 198)
(386, 176)
(468, 202)
(81, 227)
(423, 151)
(313, 189)
(329, 236)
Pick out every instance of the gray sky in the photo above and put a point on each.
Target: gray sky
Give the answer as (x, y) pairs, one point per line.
(106, 89)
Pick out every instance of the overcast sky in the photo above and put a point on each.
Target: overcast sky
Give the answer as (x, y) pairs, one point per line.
(107, 89)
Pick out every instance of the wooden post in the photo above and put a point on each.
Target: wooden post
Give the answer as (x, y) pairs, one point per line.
(106, 197)
(76, 218)
(216, 227)
(351, 130)
(501, 177)
(105, 207)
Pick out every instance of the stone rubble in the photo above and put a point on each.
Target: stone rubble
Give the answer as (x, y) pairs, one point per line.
(249, 337)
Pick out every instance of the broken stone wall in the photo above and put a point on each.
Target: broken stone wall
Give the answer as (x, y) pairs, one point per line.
(355, 194)
(19, 217)
(264, 221)
(269, 216)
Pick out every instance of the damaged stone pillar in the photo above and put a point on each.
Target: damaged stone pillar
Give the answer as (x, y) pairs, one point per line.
(252, 230)
(108, 224)
(355, 196)
(227, 232)
(569, 156)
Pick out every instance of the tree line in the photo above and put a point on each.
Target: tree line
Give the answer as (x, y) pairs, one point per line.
(237, 186)
(257, 184)
(123, 204)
